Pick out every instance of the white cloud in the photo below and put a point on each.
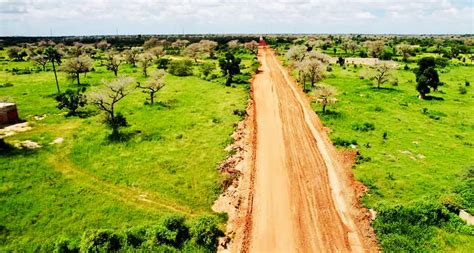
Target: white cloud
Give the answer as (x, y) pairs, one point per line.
(36, 17)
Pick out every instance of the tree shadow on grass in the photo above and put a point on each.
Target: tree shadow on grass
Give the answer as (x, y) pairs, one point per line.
(434, 98)
(330, 114)
(7, 150)
(385, 90)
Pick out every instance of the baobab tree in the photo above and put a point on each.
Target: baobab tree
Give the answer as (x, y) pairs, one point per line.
(106, 99)
(382, 73)
(154, 84)
(114, 60)
(77, 65)
(145, 60)
(54, 56)
(252, 46)
(324, 95)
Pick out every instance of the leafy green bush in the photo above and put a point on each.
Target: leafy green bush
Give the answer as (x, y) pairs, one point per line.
(205, 231)
(162, 63)
(101, 241)
(71, 100)
(64, 245)
(181, 68)
(172, 230)
(135, 237)
(364, 127)
(343, 143)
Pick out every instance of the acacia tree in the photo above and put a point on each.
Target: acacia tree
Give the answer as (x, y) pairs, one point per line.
(41, 60)
(157, 51)
(106, 99)
(296, 53)
(16, 53)
(252, 46)
(150, 43)
(230, 67)
(313, 70)
(154, 84)
(375, 47)
(208, 46)
(102, 45)
(180, 44)
(233, 44)
(145, 60)
(193, 51)
(426, 76)
(113, 62)
(382, 73)
(131, 55)
(404, 50)
(77, 65)
(54, 56)
(325, 95)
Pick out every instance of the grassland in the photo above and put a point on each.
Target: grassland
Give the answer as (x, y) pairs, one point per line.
(168, 164)
(417, 159)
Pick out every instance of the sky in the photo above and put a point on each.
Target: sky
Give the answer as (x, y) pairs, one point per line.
(110, 17)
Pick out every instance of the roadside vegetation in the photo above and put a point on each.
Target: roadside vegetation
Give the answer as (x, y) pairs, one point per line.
(405, 106)
(129, 135)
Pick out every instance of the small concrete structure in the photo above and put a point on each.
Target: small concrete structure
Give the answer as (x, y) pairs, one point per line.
(8, 113)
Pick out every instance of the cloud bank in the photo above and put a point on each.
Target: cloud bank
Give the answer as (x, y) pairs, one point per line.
(93, 17)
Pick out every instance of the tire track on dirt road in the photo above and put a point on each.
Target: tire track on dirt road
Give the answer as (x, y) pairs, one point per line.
(303, 199)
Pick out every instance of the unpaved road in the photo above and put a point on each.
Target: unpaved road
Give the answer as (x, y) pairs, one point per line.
(303, 199)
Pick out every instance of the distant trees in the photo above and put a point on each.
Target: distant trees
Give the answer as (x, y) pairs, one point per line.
(208, 46)
(230, 67)
(106, 99)
(296, 53)
(405, 50)
(310, 65)
(375, 47)
(54, 56)
(145, 60)
(77, 65)
(154, 84)
(113, 62)
(16, 53)
(313, 71)
(352, 46)
(233, 44)
(252, 46)
(150, 43)
(158, 52)
(324, 95)
(426, 76)
(102, 45)
(382, 73)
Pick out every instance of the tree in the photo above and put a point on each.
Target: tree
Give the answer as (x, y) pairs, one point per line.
(208, 46)
(205, 232)
(154, 84)
(113, 62)
(352, 45)
(426, 76)
(150, 43)
(145, 60)
(325, 95)
(131, 56)
(71, 100)
(375, 47)
(252, 46)
(341, 61)
(180, 44)
(77, 65)
(296, 53)
(41, 60)
(16, 53)
(313, 70)
(102, 45)
(54, 56)
(233, 44)
(193, 51)
(230, 67)
(106, 99)
(404, 50)
(382, 72)
(157, 51)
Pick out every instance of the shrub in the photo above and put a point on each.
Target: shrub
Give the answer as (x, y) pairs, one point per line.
(205, 232)
(163, 63)
(64, 245)
(343, 143)
(462, 90)
(467, 83)
(386, 55)
(4, 85)
(406, 67)
(207, 68)
(135, 237)
(172, 230)
(181, 68)
(71, 100)
(328, 68)
(101, 241)
(364, 127)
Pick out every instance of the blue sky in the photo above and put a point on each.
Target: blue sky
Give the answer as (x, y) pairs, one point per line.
(94, 17)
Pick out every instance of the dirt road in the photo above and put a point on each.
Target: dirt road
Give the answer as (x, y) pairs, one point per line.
(303, 199)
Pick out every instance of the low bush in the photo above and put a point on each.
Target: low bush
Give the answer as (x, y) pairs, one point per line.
(205, 231)
(181, 68)
(101, 241)
(364, 127)
(343, 143)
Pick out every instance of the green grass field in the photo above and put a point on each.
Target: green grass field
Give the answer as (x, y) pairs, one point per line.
(428, 145)
(168, 165)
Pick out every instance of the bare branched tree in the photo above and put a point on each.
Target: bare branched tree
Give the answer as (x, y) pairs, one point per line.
(154, 84)
(324, 95)
(145, 60)
(382, 73)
